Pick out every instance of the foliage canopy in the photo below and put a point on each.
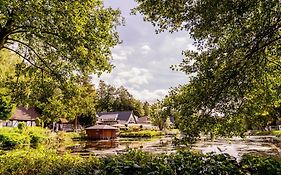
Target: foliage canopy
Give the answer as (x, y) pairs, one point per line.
(60, 37)
(237, 57)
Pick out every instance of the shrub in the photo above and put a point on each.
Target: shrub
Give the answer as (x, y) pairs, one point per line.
(21, 126)
(260, 165)
(47, 162)
(143, 133)
(33, 162)
(276, 133)
(11, 138)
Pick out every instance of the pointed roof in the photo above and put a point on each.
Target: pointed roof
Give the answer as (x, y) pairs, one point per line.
(121, 115)
(144, 119)
(109, 117)
(25, 114)
(102, 127)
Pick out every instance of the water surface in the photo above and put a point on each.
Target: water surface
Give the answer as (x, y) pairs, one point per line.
(235, 146)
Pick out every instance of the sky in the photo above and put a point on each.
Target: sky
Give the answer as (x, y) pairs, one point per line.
(142, 62)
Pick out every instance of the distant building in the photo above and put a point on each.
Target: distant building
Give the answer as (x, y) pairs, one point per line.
(64, 125)
(22, 114)
(113, 118)
(101, 132)
(144, 120)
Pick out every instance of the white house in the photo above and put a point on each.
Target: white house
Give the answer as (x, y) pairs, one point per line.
(22, 114)
(112, 118)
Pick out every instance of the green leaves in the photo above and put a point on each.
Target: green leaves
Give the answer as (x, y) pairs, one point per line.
(238, 52)
(7, 107)
(41, 161)
(159, 113)
(112, 99)
(60, 37)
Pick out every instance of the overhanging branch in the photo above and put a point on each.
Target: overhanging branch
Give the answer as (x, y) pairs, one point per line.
(34, 51)
(33, 64)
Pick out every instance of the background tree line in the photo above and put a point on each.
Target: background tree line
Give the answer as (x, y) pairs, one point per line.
(110, 98)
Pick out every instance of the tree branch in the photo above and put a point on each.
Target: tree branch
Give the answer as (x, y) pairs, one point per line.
(23, 57)
(41, 31)
(41, 59)
(19, 31)
(263, 46)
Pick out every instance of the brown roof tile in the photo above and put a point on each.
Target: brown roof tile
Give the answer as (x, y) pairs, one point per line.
(101, 127)
(25, 114)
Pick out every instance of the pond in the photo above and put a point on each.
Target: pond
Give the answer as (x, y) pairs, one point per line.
(234, 146)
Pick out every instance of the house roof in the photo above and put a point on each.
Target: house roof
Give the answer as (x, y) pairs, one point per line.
(25, 114)
(101, 127)
(144, 119)
(63, 120)
(108, 117)
(122, 115)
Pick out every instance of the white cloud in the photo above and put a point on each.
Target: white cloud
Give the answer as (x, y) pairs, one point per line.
(135, 77)
(149, 95)
(145, 49)
(181, 40)
(123, 75)
(142, 62)
(122, 53)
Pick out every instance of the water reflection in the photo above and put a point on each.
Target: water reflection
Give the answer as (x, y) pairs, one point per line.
(236, 147)
(100, 145)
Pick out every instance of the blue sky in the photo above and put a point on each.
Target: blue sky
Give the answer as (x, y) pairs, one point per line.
(142, 62)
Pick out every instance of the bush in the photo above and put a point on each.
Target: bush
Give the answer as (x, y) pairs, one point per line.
(276, 133)
(21, 126)
(273, 132)
(143, 133)
(33, 162)
(11, 138)
(260, 133)
(47, 162)
(260, 165)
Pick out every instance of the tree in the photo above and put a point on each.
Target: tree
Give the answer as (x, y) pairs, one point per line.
(82, 102)
(7, 72)
(138, 108)
(111, 99)
(60, 38)
(33, 88)
(86, 120)
(146, 108)
(105, 97)
(238, 45)
(59, 43)
(192, 122)
(6, 107)
(8, 63)
(159, 114)
(262, 107)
